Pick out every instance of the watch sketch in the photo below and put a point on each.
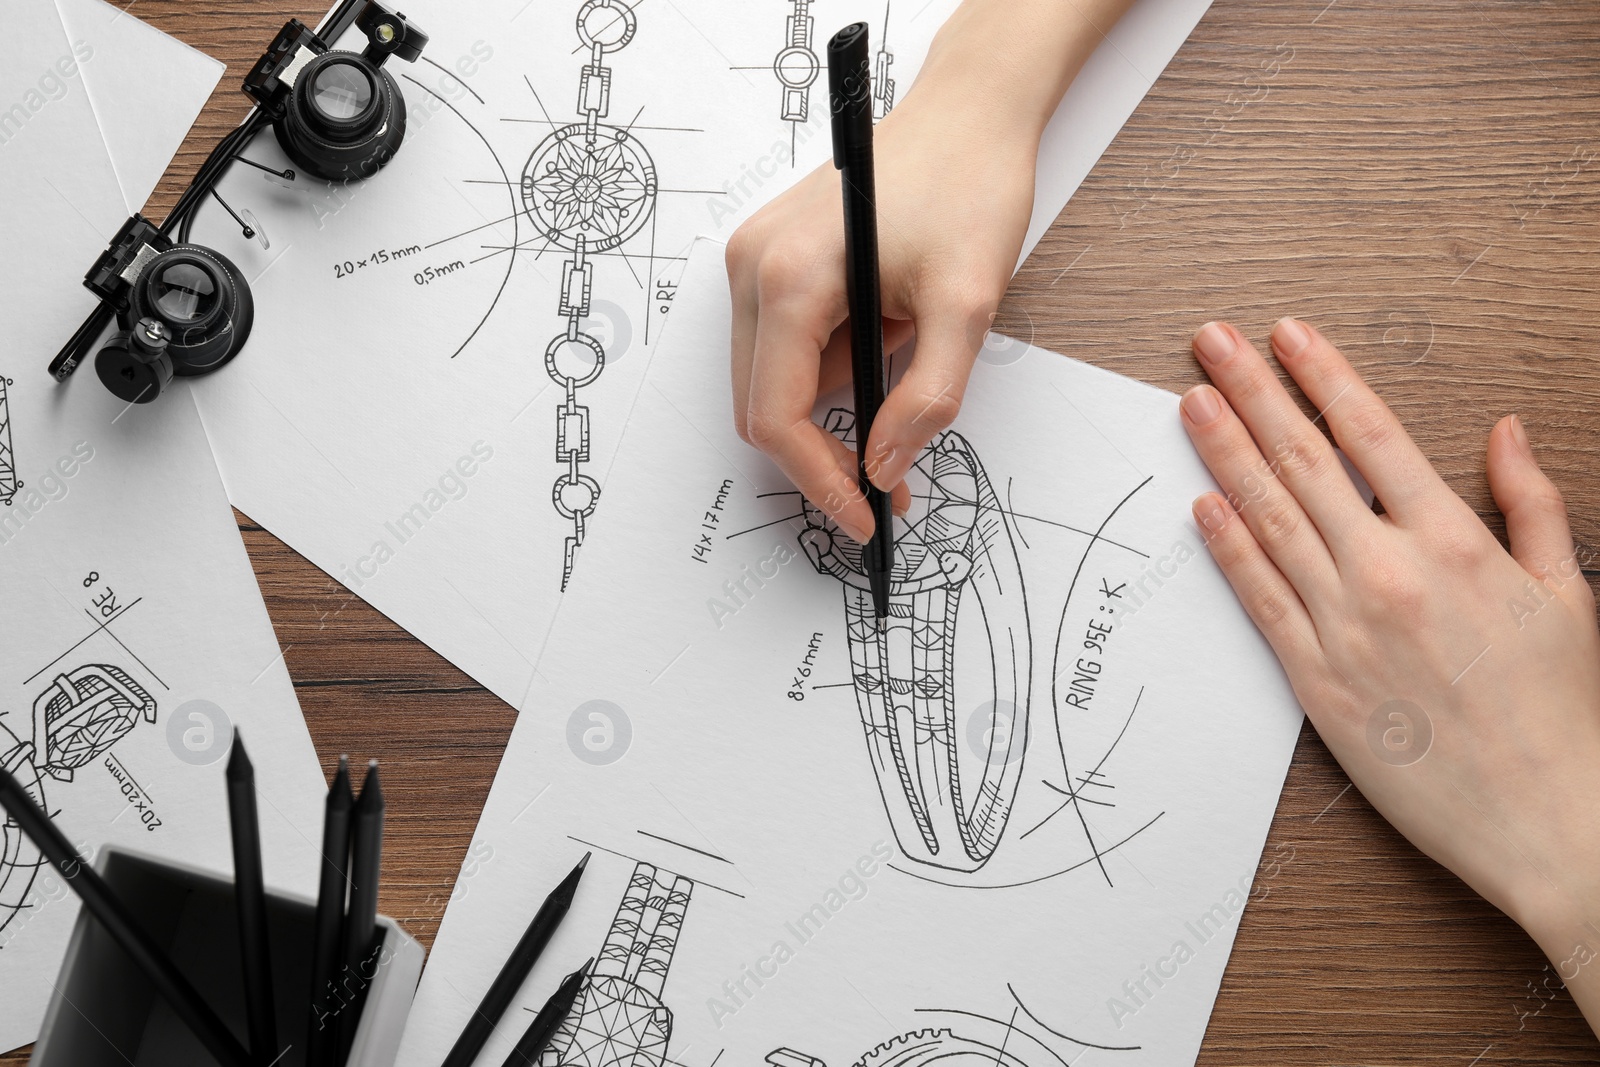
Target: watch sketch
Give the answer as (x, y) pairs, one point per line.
(946, 808)
(588, 188)
(76, 720)
(620, 1019)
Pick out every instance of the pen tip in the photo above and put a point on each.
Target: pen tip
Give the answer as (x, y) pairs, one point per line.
(585, 861)
(586, 965)
(882, 623)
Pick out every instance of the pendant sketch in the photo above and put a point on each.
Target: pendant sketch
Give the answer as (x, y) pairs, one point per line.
(620, 1019)
(797, 67)
(588, 187)
(8, 459)
(948, 802)
(77, 719)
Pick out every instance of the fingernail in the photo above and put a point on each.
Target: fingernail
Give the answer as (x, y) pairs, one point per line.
(1200, 405)
(1519, 435)
(1290, 337)
(1208, 513)
(1215, 344)
(888, 467)
(856, 533)
(900, 510)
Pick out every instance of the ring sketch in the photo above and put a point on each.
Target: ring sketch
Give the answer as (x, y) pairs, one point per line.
(82, 714)
(620, 1019)
(8, 459)
(955, 545)
(589, 187)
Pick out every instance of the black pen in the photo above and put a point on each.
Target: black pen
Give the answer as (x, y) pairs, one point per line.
(322, 1027)
(361, 922)
(250, 902)
(537, 1037)
(106, 908)
(515, 970)
(850, 98)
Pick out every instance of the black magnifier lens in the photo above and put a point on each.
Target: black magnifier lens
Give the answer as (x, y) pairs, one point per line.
(341, 91)
(184, 293)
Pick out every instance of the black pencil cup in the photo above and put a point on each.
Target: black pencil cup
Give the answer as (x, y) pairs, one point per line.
(103, 1012)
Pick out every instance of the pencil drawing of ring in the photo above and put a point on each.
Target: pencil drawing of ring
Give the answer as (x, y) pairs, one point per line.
(75, 720)
(956, 549)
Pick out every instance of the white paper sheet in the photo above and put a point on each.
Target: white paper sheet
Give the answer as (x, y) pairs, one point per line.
(392, 418)
(143, 84)
(1121, 730)
(133, 631)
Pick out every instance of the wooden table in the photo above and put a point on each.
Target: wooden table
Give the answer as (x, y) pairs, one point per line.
(1418, 177)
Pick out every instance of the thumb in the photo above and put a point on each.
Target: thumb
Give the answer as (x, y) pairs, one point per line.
(1536, 516)
(927, 398)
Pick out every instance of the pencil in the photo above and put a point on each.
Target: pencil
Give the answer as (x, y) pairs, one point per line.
(322, 1028)
(361, 921)
(544, 1026)
(250, 903)
(515, 970)
(110, 912)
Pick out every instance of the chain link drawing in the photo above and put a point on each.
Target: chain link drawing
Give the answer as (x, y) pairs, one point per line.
(957, 542)
(797, 65)
(8, 459)
(588, 187)
(620, 1020)
(76, 720)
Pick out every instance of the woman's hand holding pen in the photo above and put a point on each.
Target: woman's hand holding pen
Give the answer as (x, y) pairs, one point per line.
(955, 170)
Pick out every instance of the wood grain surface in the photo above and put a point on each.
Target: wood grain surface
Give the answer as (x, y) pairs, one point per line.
(1421, 178)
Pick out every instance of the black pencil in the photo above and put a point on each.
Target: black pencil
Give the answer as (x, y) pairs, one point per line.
(250, 903)
(361, 921)
(111, 913)
(322, 1028)
(537, 1037)
(515, 970)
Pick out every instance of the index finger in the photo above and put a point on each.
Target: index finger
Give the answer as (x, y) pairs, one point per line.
(792, 329)
(1368, 432)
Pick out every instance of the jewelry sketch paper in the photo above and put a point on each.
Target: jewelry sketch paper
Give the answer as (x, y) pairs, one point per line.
(140, 81)
(1019, 825)
(445, 356)
(135, 638)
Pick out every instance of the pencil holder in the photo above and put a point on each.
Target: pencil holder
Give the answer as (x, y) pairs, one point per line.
(103, 1012)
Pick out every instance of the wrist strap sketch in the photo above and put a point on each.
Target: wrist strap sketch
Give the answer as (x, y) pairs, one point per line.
(75, 721)
(620, 1020)
(904, 674)
(588, 187)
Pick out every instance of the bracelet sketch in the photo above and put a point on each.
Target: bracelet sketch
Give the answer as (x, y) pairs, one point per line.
(588, 187)
(8, 459)
(77, 719)
(797, 65)
(620, 1020)
(957, 543)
